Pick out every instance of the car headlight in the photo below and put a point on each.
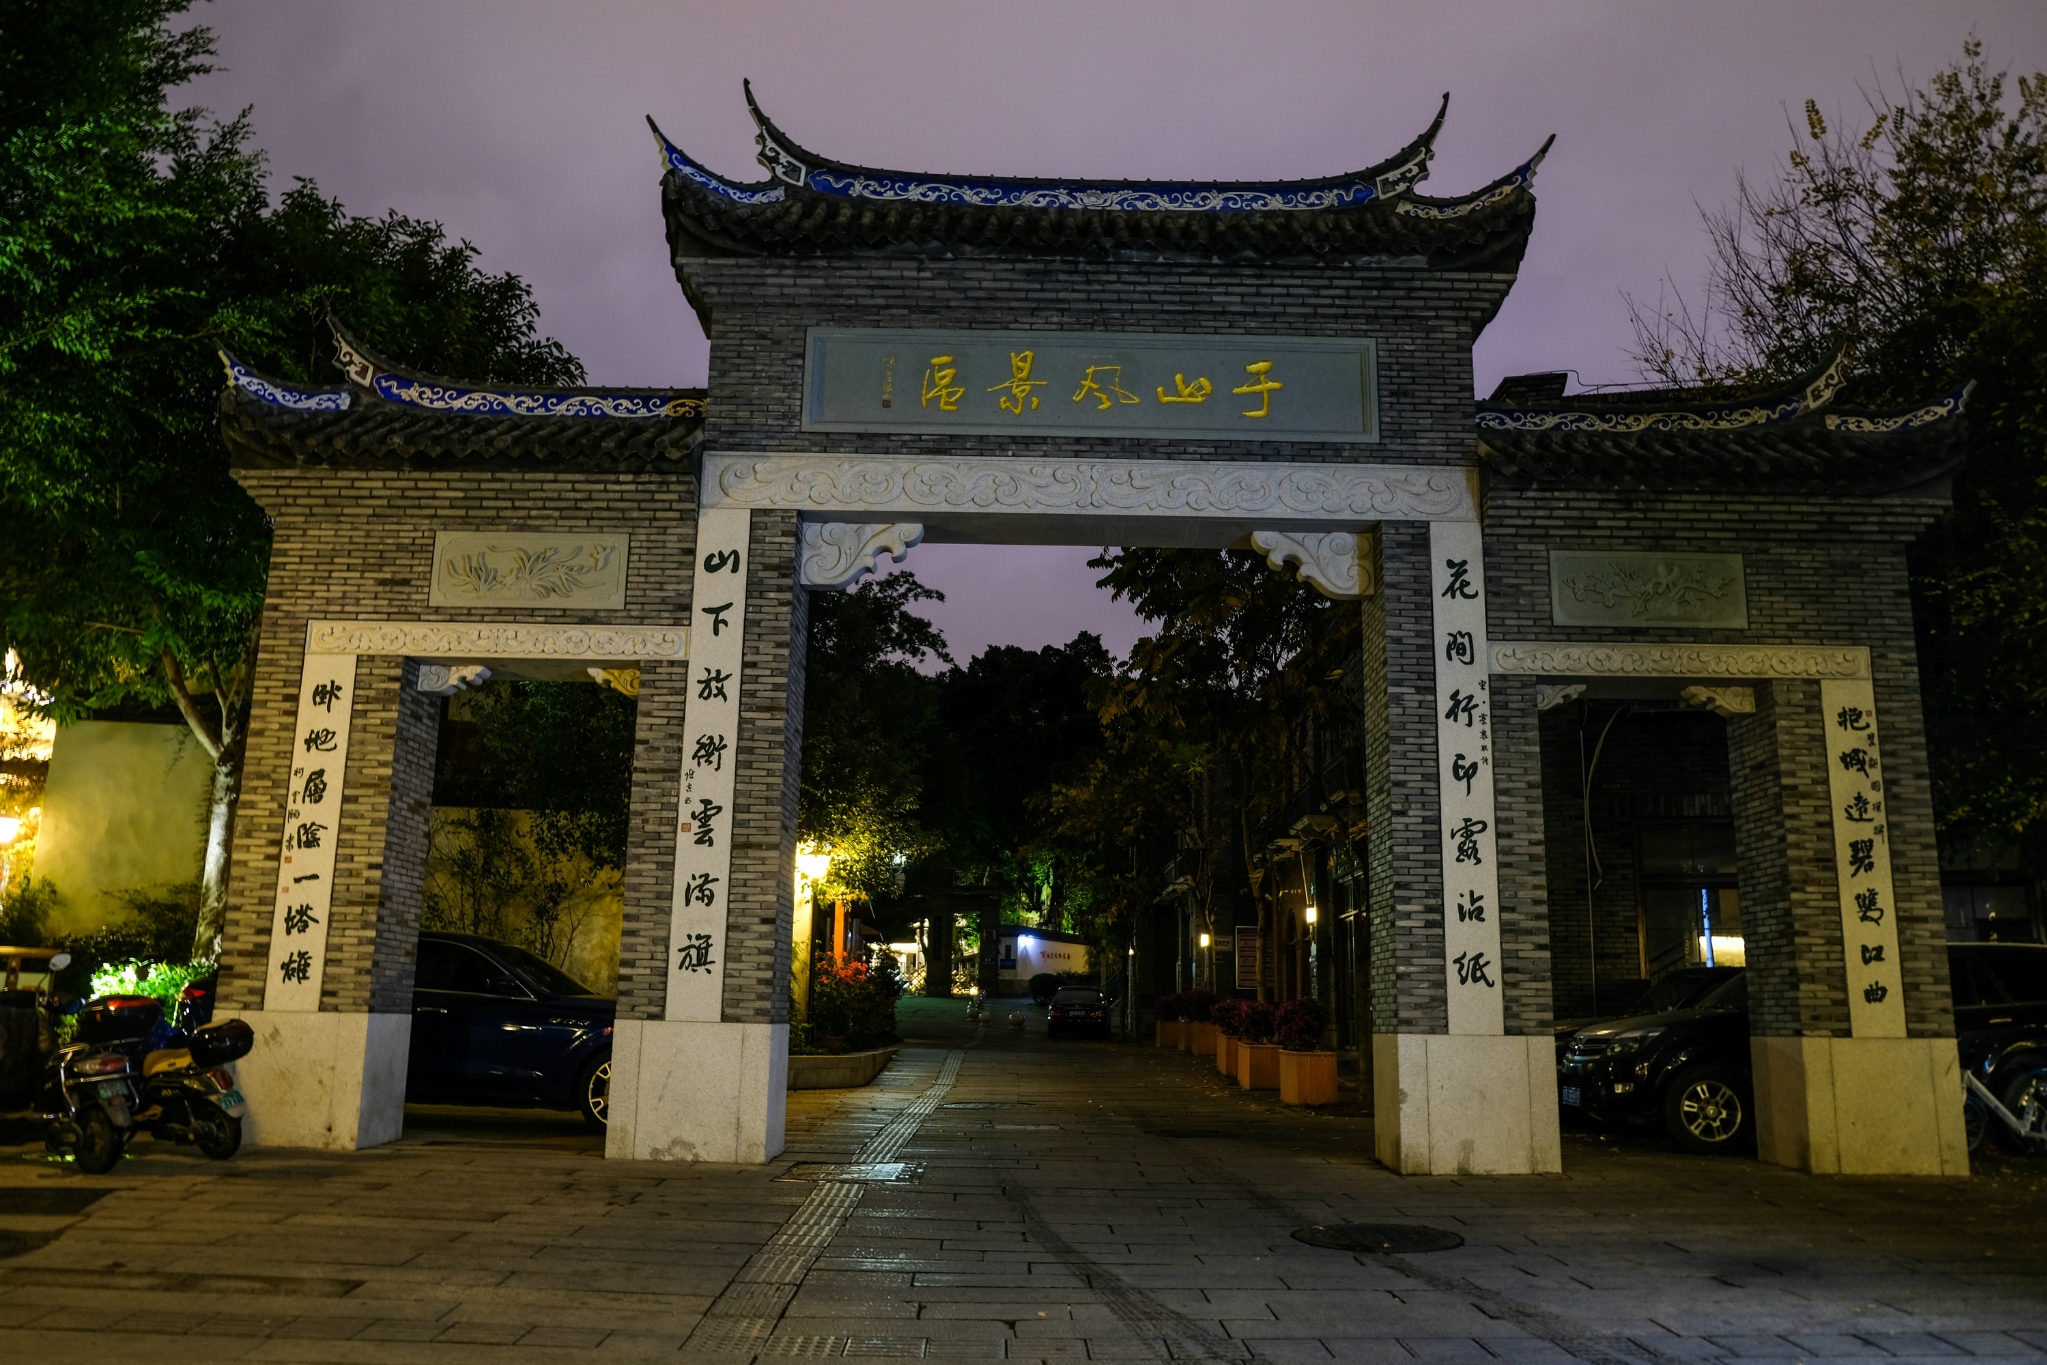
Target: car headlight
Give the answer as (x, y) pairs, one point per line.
(1633, 1042)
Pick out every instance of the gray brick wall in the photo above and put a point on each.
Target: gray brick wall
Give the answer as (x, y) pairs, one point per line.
(359, 544)
(1819, 571)
(1524, 884)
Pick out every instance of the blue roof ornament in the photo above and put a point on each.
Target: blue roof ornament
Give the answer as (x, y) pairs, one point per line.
(293, 397)
(395, 386)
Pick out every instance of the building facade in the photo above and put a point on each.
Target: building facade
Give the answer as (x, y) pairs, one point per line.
(898, 358)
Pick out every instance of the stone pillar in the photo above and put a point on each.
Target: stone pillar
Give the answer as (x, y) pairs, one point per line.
(1463, 1064)
(331, 856)
(1851, 1028)
(701, 1053)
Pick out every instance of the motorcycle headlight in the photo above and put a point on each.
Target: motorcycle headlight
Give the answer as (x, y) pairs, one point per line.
(1633, 1042)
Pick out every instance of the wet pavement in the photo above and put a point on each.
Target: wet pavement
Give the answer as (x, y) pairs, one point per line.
(995, 1196)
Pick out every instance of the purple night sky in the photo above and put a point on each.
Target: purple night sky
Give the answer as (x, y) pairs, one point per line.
(519, 126)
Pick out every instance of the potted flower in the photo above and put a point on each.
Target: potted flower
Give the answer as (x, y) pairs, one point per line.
(1197, 1033)
(1307, 1074)
(1228, 1015)
(1257, 1054)
(1166, 1011)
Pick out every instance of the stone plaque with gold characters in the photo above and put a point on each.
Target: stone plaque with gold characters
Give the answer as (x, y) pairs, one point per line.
(1152, 385)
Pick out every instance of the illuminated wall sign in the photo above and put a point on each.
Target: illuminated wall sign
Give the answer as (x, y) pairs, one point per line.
(1142, 384)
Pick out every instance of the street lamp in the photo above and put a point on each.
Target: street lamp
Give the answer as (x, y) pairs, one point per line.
(10, 828)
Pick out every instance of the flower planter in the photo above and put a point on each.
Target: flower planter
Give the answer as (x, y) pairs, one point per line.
(1259, 1067)
(1225, 1054)
(1168, 1033)
(1204, 1039)
(1307, 1077)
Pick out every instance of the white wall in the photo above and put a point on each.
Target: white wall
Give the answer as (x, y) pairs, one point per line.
(124, 809)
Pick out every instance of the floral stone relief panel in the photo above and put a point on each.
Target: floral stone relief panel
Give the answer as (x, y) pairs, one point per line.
(1605, 588)
(488, 568)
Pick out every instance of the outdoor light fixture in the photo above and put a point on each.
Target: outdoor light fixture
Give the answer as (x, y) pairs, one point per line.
(1204, 940)
(813, 866)
(10, 827)
(1311, 914)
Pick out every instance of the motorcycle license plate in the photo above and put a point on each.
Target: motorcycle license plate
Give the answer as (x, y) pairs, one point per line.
(109, 1090)
(1572, 1097)
(232, 1101)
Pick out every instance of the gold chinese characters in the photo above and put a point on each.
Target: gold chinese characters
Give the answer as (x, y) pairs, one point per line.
(944, 388)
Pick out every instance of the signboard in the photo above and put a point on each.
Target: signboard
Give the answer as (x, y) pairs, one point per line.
(1130, 384)
(1862, 859)
(1600, 588)
(1464, 777)
(1247, 957)
(312, 829)
(704, 821)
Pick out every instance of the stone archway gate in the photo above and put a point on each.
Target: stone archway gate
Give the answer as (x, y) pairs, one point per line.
(898, 358)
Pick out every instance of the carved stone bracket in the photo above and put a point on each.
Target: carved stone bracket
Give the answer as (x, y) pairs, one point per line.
(1547, 696)
(445, 680)
(1331, 561)
(497, 640)
(1722, 701)
(1681, 661)
(837, 554)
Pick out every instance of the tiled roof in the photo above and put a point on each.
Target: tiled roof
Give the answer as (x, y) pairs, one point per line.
(1787, 440)
(388, 418)
(814, 206)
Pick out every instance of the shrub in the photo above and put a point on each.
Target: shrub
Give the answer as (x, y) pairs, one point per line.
(856, 1002)
(1228, 1015)
(1254, 1021)
(161, 981)
(26, 912)
(1043, 987)
(1167, 1009)
(1298, 1024)
(1197, 1005)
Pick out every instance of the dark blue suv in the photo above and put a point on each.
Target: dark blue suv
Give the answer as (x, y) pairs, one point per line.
(493, 1024)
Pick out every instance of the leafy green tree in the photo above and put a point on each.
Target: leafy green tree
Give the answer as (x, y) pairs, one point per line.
(135, 240)
(1917, 240)
(870, 723)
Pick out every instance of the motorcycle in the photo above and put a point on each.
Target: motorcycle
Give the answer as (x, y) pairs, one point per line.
(128, 1071)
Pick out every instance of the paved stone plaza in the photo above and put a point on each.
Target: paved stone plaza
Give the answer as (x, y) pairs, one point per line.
(1053, 1202)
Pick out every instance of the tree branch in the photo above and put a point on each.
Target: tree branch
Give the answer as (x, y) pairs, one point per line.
(180, 694)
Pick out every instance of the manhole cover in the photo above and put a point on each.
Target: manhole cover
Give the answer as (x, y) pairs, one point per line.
(1381, 1239)
(865, 1172)
(987, 1104)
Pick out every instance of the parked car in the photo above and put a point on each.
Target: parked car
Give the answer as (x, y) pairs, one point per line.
(1077, 1010)
(2000, 994)
(1676, 990)
(493, 1024)
(1687, 1069)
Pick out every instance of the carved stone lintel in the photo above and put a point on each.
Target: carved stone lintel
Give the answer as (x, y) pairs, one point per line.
(837, 554)
(1681, 661)
(1722, 701)
(1331, 561)
(990, 485)
(1547, 696)
(497, 640)
(445, 680)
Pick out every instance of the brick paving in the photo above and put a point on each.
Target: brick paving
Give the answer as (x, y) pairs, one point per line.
(1076, 1201)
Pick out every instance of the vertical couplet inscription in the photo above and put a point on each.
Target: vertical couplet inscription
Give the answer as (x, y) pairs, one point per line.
(1464, 777)
(1862, 859)
(710, 759)
(312, 826)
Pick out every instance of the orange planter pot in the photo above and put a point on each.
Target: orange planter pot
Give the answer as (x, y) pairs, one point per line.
(1258, 1066)
(1204, 1039)
(1168, 1034)
(1225, 1054)
(1307, 1077)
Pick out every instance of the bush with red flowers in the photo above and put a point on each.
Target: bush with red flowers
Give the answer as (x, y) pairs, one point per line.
(1228, 1015)
(1197, 1004)
(1298, 1025)
(1168, 1009)
(1254, 1021)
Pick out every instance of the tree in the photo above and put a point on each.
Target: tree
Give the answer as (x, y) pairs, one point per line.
(1917, 241)
(134, 242)
(870, 721)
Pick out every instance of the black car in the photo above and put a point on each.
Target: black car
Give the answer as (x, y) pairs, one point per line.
(1677, 990)
(2001, 1026)
(1687, 1069)
(1079, 1010)
(493, 1024)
